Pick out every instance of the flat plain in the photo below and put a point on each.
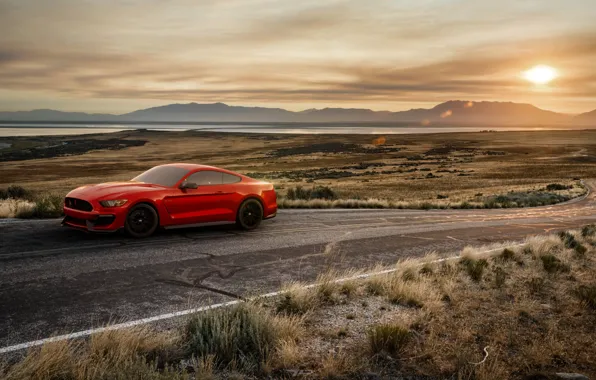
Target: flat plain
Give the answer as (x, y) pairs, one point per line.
(444, 169)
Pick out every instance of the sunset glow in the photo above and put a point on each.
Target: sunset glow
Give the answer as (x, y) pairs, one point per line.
(382, 55)
(540, 74)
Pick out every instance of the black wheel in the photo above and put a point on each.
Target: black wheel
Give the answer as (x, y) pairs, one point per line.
(250, 214)
(141, 221)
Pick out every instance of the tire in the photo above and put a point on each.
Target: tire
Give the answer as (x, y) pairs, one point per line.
(141, 221)
(250, 214)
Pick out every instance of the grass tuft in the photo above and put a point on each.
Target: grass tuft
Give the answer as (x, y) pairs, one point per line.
(587, 295)
(376, 285)
(474, 268)
(388, 338)
(297, 300)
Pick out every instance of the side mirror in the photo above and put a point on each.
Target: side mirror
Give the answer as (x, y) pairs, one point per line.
(188, 185)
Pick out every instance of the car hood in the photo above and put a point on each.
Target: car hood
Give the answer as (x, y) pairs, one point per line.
(114, 190)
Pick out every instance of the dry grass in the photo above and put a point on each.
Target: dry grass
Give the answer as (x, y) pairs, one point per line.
(110, 355)
(11, 208)
(336, 365)
(427, 317)
(296, 300)
(40, 206)
(388, 338)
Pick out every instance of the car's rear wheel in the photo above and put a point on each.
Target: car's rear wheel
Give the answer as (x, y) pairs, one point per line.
(141, 221)
(250, 214)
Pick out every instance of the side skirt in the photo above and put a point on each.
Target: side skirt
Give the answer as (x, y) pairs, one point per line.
(206, 224)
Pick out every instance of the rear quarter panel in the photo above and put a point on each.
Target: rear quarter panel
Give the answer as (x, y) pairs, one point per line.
(262, 191)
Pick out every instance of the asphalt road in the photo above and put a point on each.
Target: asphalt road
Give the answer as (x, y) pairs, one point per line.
(55, 280)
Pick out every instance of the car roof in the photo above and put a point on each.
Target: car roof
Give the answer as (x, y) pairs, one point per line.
(191, 166)
(195, 167)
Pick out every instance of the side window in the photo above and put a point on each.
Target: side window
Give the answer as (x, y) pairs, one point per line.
(205, 178)
(230, 178)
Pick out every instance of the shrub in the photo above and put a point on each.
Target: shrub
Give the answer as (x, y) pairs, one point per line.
(48, 206)
(427, 206)
(391, 339)
(571, 243)
(507, 255)
(589, 230)
(556, 186)
(587, 295)
(322, 192)
(552, 264)
(317, 192)
(475, 268)
(14, 192)
(524, 199)
(243, 336)
(465, 205)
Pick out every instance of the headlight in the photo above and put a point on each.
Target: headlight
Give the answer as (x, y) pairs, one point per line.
(113, 203)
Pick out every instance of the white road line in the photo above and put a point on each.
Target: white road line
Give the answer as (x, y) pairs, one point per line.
(161, 317)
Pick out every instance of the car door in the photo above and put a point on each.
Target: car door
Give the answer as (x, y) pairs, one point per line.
(205, 204)
(231, 196)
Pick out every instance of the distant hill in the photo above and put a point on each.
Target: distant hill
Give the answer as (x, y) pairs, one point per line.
(496, 113)
(586, 118)
(451, 112)
(209, 112)
(52, 115)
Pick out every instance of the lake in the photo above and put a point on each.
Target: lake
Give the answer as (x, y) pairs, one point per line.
(37, 129)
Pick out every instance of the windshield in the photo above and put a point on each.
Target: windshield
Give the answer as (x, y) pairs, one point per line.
(162, 175)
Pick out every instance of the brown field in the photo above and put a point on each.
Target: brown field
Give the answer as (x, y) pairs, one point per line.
(443, 169)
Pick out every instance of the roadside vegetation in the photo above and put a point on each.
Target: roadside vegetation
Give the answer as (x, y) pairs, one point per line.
(326, 197)
(507, 311)
(18, 202)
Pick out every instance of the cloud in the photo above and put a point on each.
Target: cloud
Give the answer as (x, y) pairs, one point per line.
(261, 51)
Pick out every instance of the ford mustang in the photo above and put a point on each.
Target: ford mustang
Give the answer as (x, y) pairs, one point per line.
(170, 196)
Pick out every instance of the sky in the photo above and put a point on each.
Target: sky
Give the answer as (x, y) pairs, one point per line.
(118, 56)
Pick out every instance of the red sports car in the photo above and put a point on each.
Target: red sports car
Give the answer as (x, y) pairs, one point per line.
(170, 196)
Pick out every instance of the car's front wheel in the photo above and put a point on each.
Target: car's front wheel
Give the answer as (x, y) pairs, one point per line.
(250, 214)
(141, 221)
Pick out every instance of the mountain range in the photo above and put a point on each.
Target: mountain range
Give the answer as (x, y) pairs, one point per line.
(451, 112)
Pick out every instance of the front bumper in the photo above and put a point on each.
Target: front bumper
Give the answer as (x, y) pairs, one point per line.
(92, 221)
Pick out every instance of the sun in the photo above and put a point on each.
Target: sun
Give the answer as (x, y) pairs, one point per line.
(540, 74)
